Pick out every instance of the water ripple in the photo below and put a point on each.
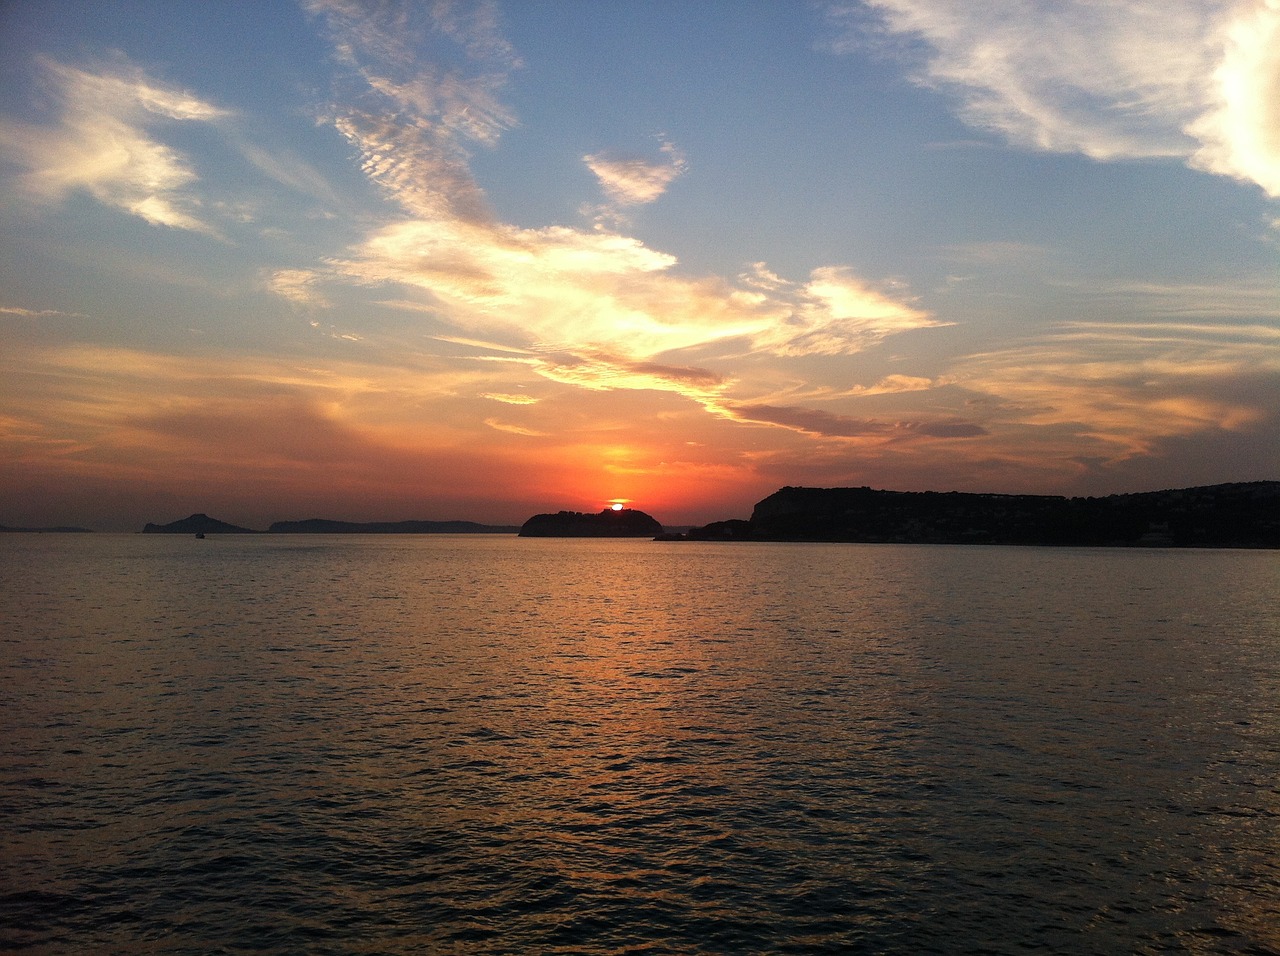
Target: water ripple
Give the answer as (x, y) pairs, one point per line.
(376, 745)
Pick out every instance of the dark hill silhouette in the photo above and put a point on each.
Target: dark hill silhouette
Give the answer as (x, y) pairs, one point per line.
(328, 526)
(197, 524)
(1240, 515)
(627, 523)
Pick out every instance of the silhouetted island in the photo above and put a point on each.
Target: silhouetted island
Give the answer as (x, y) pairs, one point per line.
(6, 528)
(197, 524)
(1239, 515)
(626, 523)
(327, 526)
(203, 524)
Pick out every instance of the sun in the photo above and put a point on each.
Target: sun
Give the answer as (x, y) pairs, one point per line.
(616, 506)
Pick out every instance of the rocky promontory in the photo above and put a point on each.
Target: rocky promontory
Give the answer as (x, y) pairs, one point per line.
(625, 523)
(1237, 515)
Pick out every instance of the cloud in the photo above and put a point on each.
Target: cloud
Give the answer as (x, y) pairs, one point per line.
(1128, 78)
(298, 286)
(290, 170)
(841, 313)
(601, 371)
(1240, 133)
(392, 32)
(594, 308)
(101, 142)
(1124, 388)
(421, 167)
(39, 313)
(514, 429)
(632, 181)
(897, 384)
(559, 288)
(412, 123)
(813, 421)
(1257, 301)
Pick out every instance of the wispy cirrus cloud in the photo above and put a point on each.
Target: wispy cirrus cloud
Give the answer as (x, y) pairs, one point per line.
(825, 424)
(1191, 79)
(411, 121)
(102, 141)
(38, 313)
(1124, 388)
(601, 371)
(591, 308)
(510, 399)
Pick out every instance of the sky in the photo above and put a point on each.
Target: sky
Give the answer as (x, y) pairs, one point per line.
(443, 260)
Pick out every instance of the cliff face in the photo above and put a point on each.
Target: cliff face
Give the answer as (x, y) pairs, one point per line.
(626, 523)
(1245, 515)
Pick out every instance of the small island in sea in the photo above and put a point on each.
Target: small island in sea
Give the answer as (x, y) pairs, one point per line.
(1237, 515)
(197, 524)
(203, 524)
(609, 523)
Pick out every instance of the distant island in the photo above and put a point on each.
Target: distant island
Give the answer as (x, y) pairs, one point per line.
(1234, 515)
(1239, 515)
(197, 524)
(623, 523)
(5, 528)
(203, 524)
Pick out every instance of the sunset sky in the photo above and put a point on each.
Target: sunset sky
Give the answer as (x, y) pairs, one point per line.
(436, 260)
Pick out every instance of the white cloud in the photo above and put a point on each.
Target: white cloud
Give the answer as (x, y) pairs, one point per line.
(1193, 79)
(102, 143)
(298, 286)
(1241, 132)
(631, 181)
(594, 308)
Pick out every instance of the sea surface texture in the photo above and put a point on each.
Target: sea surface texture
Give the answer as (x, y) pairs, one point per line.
(489, 744)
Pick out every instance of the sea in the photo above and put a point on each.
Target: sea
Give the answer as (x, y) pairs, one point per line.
(483, 744)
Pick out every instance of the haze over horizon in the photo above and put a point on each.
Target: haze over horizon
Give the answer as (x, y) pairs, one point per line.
(442, 260)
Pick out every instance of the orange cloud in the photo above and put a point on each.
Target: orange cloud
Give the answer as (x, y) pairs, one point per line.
(1129, 386)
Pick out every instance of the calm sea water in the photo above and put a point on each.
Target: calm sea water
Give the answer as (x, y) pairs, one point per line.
(395, 744)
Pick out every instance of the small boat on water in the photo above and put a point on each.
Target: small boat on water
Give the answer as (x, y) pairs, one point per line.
(199, 534)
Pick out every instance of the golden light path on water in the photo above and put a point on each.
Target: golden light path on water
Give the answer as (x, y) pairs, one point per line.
(491, 743)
